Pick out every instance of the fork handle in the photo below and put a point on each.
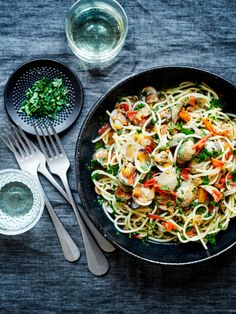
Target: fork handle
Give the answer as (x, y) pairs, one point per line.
(69, 248)
(97, 262)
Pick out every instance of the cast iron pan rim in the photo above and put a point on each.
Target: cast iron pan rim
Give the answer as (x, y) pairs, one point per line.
(78, 145)
(28, 63)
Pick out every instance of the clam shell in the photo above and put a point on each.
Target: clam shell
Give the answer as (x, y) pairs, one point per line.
(144, 111)
(230, 185)
(186, 193)
(164, 160)
(176, 139)
(129, 179)
(143, 195)
(175, 112)
(143, 161)
(117, 120)
(212, 147)
(185, 152)
(101, 155)
(168, 178)
(149, 90)
(211, 189)
(129, 151)
(194, 165)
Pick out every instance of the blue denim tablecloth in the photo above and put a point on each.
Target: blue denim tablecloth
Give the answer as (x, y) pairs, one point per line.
(34, 277)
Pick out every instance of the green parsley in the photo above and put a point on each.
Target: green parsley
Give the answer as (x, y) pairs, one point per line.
(216, 103)
(113, 169)
(45, 98)
(211, 238)
(234, 176)
(183, 130)
(206, 180)
(139, 106)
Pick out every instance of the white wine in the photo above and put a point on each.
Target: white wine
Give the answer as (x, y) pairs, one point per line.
(96, 30)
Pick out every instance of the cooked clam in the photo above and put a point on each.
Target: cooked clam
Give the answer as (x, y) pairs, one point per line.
(142, 108)
(175, 112)
(127, 174)
(186, 193)
(147, 90)
(143, 195)
(168, 178)
(101, 155)
(195, 165)
(163, 160)
(185, 152)
(143, 161)
(176, 139)
(214, 192)
(117, 120)
(130, 150)
(213, 147)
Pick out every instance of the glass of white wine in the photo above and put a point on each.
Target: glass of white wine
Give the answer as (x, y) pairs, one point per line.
(96, 29)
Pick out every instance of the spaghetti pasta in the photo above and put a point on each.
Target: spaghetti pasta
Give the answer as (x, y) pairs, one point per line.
(166, 165)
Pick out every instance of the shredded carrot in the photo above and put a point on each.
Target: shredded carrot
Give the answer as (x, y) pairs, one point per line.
(169, 226)
(150, 148)
(185, 173)
(210, 126)
(150, 182)
(212, 129)
(217, 195)
(202, 195)
(191, 232)
(184, 115)
(103, 128)
(220, 184)
(217, 163)
(201, 143)
(154, 216)
(192, 101)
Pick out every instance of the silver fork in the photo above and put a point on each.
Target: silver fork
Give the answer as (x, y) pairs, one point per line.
(59, 164)
(29, 160)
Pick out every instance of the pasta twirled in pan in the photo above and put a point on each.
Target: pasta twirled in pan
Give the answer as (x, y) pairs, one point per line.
(166, 165)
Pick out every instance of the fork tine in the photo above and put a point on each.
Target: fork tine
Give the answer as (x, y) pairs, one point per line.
(58, 140)
(46, 143)
(14, 145)
(52, 141)
(20, 141)
(42, 146)
(27, 141)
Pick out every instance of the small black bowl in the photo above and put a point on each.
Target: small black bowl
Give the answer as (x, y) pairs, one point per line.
(169, 254)
(25, 76)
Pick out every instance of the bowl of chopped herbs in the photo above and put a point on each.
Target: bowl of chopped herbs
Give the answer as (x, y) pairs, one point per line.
(43, 89)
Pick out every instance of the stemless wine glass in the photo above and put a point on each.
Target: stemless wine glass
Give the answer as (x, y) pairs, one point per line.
(96, 29)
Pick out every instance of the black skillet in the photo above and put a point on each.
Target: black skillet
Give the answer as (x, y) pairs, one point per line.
(174, 254)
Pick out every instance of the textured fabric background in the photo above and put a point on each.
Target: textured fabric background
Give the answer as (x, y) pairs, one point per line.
(34, 277)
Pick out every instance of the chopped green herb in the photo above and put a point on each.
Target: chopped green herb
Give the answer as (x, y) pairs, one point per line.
(139, 106)
(183, 130)
(138, 131)
(206, 180)
(45, 98)
(98, 145)
(120, 200)
(234, 176)
(216, 103)
(95, 176)
(100, 200)
(164, 188)
(211, 238)
(113, 169)
(234, 151)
